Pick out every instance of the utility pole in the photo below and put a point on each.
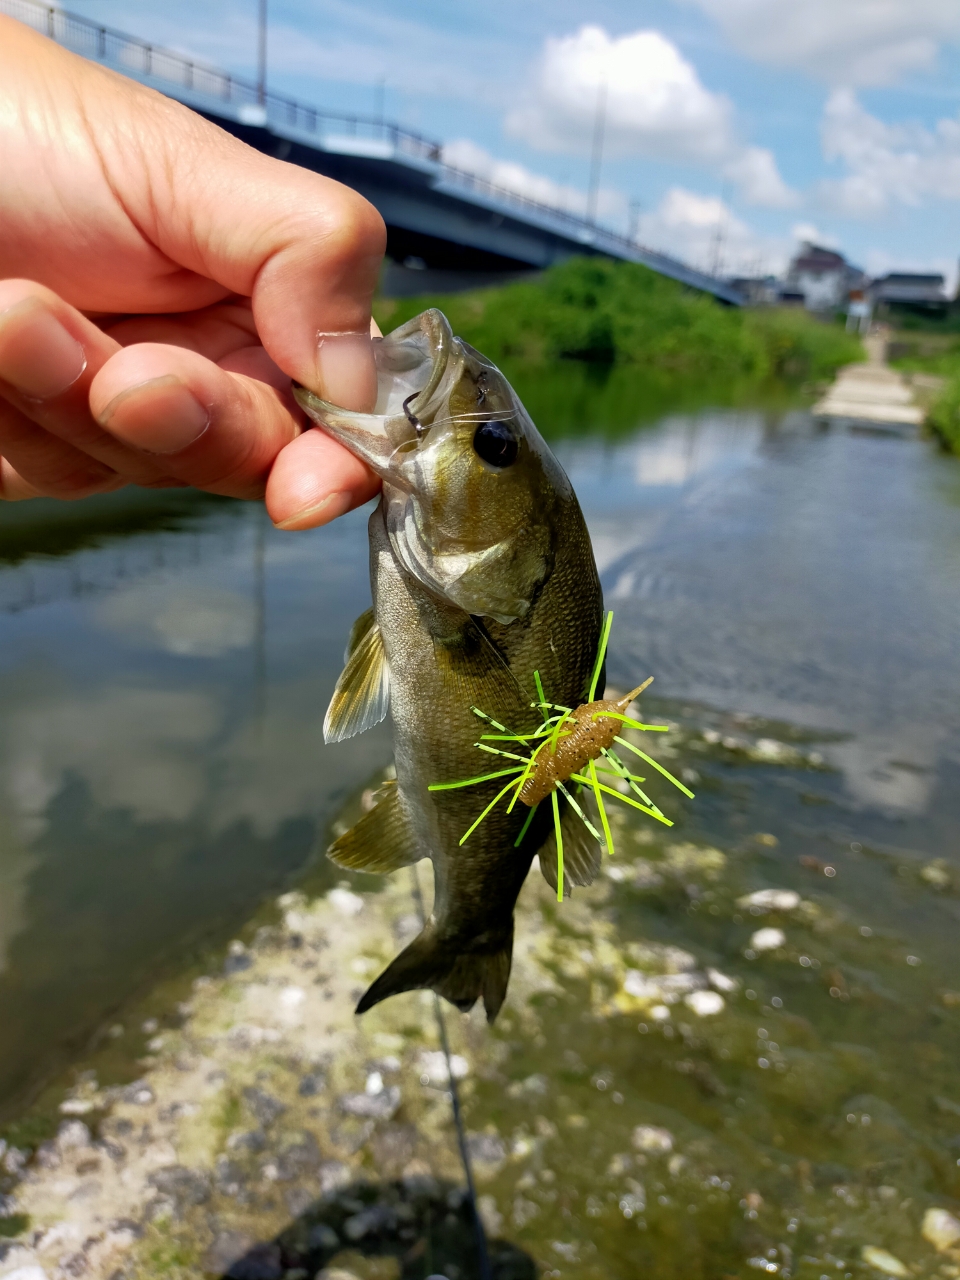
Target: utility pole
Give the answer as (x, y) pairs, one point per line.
(633, 226)
(262, 54)
(596, 157)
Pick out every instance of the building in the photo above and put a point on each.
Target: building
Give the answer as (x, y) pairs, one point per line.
(823, 277)
(908, 293)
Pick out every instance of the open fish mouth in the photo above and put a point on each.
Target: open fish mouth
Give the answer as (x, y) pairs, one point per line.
(412, 362)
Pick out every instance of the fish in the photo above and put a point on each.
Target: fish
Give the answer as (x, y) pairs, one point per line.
(483, 580)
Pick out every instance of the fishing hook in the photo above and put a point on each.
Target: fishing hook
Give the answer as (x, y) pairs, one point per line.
(412, 417)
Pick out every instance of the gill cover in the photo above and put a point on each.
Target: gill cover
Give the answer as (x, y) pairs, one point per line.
(471, 493)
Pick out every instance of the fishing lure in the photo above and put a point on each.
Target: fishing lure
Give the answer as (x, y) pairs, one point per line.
(566, 755)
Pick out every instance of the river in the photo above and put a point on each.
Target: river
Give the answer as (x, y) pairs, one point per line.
(165, 662)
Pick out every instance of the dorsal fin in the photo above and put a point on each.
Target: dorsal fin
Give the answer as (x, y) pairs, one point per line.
(382, 841)
(362, 696)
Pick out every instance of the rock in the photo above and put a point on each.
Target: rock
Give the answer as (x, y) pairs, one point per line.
(771, 900)
(312, 1084)
(266, 1108)
(379, 1217)
(347, 903)
(27, 1273)
(227, 1248)
(705, 1003)
(434, 1069)
(649, 1137)
(72, 1134)
(883, 1261)
(253, 1140)
(298, 1200)
(183, 1186)
(138, 1093)
(334, 1176)
(261, 1262)
(323, 1236)
(377, 1106)
(298, 1158)
(768, 939)
(941, 1229)
(486, 1148)
(721, 982)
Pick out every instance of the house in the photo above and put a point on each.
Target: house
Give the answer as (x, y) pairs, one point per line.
(823, 276)
(903, 292)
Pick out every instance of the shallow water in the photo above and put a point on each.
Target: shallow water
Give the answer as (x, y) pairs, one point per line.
(163, 674)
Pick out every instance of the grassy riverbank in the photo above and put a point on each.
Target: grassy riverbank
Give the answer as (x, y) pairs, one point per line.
(620, 314)
(937, 354)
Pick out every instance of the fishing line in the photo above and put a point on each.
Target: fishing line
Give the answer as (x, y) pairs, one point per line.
(483, 1253)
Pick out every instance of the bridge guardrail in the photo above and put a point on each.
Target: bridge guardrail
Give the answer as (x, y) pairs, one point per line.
(200, 80)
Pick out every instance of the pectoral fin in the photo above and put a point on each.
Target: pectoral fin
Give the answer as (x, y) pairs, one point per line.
(362, 696)
(382, 841)
(475, 674)
(582, 854)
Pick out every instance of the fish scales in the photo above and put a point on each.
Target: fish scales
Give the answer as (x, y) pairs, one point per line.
(482, 574)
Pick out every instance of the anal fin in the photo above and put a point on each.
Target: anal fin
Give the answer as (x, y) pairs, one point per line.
(582, 854)
(381, 842)
(362, 696)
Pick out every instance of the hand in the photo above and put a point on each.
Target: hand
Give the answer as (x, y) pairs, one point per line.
(160, 285)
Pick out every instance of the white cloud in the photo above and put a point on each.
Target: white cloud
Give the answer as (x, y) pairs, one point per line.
(464, 154)
(756, 175)
(654, 99)
(704, 231)
(654, 105)
(886, 164)
(858, 42)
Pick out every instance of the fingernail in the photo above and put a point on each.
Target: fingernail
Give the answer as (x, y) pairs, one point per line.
(333, 505)
(159, 416)
(38, 357)
(346, 373)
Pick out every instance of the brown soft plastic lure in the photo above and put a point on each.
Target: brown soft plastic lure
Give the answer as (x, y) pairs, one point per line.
(587, 733)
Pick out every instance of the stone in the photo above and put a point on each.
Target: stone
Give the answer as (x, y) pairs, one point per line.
(883, 1261)
(72, 1134)
(377, 1106)
(768, 939)
(183, 1186)
(261, 1262)
(265, 1107)
(323, 1236)
(704, 1003)
(941, 1229)
(312, 1084)
(651, 1138)
(771, 900)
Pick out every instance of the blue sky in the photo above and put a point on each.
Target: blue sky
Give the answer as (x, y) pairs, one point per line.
(738, 125)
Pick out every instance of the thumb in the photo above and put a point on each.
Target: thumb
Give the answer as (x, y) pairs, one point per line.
(305, 249)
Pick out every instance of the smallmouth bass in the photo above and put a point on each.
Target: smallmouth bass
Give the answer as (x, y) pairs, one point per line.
(482, 574)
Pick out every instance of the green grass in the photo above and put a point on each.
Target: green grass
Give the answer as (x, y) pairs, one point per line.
(944, 415)
(939, 355)
(623, 314)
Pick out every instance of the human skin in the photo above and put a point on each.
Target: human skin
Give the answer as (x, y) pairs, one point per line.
(161, 283)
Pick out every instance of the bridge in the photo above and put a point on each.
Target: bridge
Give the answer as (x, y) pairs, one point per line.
(437, 215)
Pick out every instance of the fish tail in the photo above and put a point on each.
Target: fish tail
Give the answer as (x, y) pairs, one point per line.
(435, 964)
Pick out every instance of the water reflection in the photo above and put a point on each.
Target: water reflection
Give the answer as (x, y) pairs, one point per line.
(161, 754)
(164, 671)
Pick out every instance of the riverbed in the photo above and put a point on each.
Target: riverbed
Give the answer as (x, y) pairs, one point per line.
(164, 668)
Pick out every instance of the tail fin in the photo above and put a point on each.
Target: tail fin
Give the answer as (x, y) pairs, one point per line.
(460, 977)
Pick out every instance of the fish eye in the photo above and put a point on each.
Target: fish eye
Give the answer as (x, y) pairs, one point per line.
(496, 444)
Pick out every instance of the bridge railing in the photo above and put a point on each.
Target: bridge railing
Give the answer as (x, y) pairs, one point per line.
(201, 82)
(153, 62)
